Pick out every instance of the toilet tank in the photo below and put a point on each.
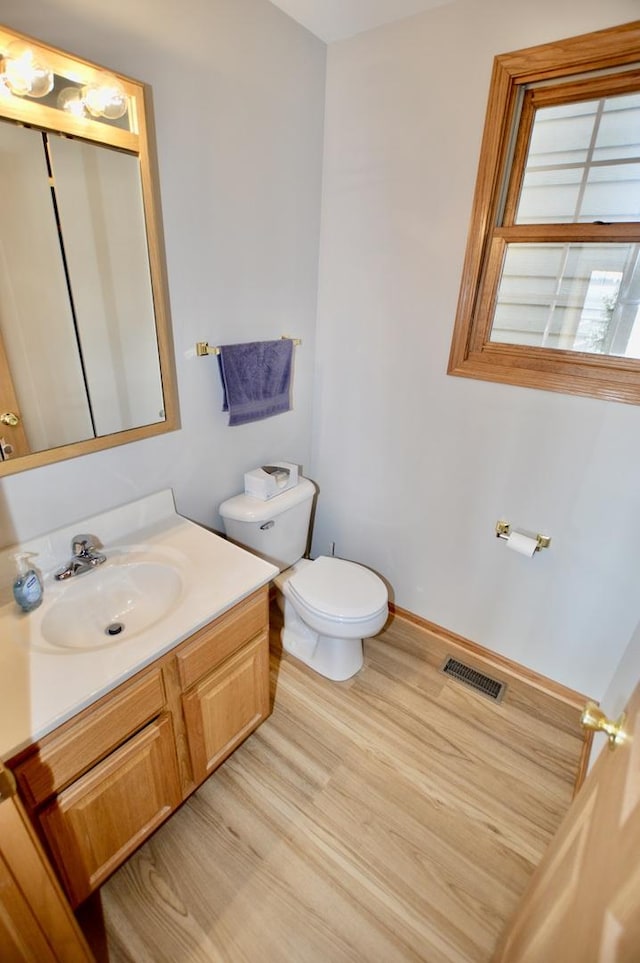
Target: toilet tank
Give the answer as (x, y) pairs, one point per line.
(277, 529)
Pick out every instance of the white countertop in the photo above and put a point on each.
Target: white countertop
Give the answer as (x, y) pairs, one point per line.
(42, 686)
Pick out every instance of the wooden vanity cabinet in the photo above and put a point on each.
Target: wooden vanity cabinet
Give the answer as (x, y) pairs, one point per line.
(99, 785)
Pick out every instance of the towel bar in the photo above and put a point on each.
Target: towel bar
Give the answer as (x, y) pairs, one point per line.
(203, 348)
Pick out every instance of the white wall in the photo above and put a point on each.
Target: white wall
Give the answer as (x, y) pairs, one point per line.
(238, 92)
(415, 467)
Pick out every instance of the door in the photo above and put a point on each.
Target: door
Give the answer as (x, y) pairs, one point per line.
(13, 441)
(583, 903)
(36, 923)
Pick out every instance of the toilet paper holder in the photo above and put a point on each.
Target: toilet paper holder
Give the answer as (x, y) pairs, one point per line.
(503, 530)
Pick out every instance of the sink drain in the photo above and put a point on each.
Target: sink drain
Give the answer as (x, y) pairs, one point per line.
(114, 629)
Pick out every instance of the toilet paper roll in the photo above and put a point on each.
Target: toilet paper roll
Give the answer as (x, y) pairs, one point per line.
(523, 544)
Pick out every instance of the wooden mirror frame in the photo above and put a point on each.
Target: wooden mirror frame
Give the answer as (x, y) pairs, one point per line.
(137, 140)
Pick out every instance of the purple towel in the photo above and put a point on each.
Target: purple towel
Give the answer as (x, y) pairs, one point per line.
(256, 379)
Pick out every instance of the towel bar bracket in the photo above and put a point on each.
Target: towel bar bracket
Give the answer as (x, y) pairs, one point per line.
(203, 349)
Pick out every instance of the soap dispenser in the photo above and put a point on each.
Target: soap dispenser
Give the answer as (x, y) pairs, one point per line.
(27, 588)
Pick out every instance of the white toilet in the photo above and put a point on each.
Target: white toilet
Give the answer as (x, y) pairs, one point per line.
(330, 604)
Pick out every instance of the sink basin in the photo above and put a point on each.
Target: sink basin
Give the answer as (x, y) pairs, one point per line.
(112, 603)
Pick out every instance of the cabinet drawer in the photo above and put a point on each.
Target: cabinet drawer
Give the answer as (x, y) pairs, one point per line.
(98, 821)
(226, 635)
(78, 745)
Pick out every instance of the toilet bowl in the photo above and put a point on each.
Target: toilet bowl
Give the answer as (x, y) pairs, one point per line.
(330, 604)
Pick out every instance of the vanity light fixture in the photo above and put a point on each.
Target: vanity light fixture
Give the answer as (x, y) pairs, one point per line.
(70, 100)
(23, 74)
(104, 98)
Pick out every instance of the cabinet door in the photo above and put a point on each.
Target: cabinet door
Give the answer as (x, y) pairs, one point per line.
(228, 704)
(98, 821)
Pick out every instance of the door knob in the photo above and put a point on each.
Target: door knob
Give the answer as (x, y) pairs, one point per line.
(9, 418)
(594, 718)
(7, 783)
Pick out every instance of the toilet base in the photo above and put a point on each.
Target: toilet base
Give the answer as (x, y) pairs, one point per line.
(335, 658)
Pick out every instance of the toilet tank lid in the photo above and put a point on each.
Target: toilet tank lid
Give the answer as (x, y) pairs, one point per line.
(246, 508)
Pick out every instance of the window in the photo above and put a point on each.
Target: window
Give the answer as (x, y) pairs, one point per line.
(550, 293)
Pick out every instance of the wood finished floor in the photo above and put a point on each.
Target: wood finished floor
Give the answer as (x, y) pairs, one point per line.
(394, 817)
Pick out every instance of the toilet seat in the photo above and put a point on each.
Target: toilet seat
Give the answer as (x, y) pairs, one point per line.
(333, 588)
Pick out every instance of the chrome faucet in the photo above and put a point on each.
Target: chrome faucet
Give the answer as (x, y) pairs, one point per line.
(84, 557)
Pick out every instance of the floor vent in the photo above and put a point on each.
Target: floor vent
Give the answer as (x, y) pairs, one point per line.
(471, 677)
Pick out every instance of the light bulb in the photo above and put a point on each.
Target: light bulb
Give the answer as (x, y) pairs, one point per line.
(24, 74)
(70, 99)
(105, 98)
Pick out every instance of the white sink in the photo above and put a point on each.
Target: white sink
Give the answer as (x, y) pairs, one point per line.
(114, 602)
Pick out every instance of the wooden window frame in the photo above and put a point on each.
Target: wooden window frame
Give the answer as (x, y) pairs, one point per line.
(473, 355)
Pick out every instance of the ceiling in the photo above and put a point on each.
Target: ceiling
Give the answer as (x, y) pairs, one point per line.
(336, 19)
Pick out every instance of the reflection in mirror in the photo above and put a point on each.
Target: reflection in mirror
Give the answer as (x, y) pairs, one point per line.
(85, 357)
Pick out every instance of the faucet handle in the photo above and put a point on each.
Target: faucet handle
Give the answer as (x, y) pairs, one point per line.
(84, 544)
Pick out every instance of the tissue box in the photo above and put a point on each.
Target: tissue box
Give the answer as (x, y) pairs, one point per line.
(270, 480)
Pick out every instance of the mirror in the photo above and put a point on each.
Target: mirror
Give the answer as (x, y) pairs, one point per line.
(85, 346)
